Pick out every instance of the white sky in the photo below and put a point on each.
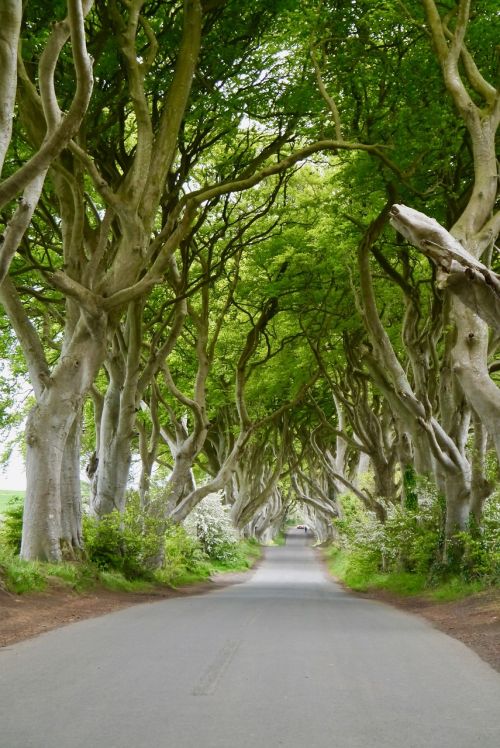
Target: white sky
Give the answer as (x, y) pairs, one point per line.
(13, 475)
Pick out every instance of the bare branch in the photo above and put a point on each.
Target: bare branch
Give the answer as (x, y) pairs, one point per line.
(19, 222)
(69, 125)
(10, 24)
(90, 301)
(329, 101)
(27, 336)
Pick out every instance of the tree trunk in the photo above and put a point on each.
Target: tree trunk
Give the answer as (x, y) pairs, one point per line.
(48, 428)
(71, 499)
(481, 488)
(457, 504)
(470, 354)
(110, 480)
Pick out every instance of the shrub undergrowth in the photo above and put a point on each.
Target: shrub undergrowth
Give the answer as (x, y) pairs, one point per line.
(119, 549)
(405, 555)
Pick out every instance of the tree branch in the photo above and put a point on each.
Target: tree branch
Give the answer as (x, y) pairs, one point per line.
(69, 125)
(11, 12)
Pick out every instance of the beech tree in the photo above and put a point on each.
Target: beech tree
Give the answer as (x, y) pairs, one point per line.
(120, 192)
(232, 322)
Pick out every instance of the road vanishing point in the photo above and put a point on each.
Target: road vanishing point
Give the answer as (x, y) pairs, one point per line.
(285, 658)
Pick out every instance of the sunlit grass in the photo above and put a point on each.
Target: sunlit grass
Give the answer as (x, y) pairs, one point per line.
(23, 577)
(116, 582)
(6, 494)
(399, 583)
(456, 589)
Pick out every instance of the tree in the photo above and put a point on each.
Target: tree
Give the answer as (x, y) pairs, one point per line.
(125, 189)
(155, 271)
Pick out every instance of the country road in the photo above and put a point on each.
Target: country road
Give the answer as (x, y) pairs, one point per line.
(284, 659)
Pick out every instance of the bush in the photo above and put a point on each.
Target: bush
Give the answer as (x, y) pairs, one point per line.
(123, 542)
(481, 545)
(11, 526)
(20, 576)
(182, 554)
(412, 540)
(119, 550)
(211, 525)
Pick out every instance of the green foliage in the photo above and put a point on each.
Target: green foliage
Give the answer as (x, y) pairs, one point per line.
(11, 525)
(121, 546)
(481, 545)
(361, 577)
(123, 543)
(405, 554)
(185, 563)
(116, 582)
(184, 560)
(20, 576)
(243, 555)
(211, 525)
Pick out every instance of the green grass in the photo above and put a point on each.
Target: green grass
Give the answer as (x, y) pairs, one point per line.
(280, 539)
(79, 576)
(21, 577)
(181, 577)
(6, 494)
(399, 583)
(116, 582)
(455, 589)
(252, 550)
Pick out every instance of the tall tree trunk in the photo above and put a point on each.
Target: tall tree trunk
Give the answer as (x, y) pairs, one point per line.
(117, 421)
(71, 498)
(481, 486)
(114, 457)
(48, 428)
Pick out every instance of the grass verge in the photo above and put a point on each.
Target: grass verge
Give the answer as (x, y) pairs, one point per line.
(6, 496)
(280, 539)
(399, 583)
(22, 577)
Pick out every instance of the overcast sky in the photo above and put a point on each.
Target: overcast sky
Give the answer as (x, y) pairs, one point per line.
(13, 476)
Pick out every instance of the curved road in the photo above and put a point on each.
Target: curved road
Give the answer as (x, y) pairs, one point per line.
(286, 658)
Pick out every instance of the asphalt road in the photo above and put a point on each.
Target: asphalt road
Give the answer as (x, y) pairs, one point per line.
(286, 658)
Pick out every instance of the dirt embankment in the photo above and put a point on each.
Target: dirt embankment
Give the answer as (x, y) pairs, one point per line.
(24, 616)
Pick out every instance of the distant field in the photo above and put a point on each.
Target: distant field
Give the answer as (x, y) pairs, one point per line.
(5, 495)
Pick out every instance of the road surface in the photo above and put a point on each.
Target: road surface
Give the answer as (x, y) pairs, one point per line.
(284, 659)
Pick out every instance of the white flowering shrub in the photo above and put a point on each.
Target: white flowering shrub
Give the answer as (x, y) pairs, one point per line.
(412, 538)
(211, 525)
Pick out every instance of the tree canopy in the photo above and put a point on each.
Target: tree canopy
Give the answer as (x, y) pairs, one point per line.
(199, 270)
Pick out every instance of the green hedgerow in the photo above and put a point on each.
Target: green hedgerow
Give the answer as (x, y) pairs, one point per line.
(11, 526)
(411, 541)
(123, 542)
(211, 524)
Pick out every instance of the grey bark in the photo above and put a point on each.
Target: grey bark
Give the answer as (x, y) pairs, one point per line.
(10, 24)
(70, 492)
(49, 425)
